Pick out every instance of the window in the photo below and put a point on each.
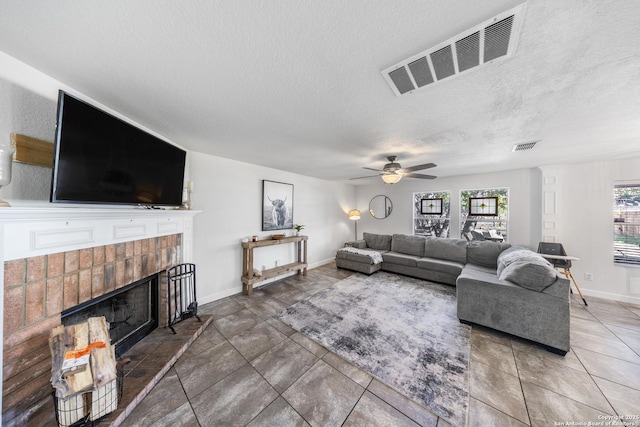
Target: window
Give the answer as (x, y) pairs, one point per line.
(484, 214)
(626, 224)
(431, 213)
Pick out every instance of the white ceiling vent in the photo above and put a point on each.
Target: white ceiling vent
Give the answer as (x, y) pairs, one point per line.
(493, 39)
(525, 146)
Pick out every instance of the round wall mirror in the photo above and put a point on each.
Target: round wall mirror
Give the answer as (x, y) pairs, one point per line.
(380, 207)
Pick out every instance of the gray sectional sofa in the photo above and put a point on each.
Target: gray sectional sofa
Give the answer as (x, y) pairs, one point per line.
(510, 289)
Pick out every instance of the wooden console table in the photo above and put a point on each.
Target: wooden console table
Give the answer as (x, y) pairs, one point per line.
(248, 279)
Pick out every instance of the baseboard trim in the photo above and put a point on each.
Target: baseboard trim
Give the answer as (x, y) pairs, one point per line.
(219, 295)
(320, 263)
(233, 291)
(610, 296)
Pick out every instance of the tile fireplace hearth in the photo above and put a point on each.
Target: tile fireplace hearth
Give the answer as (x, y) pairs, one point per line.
(56, 259)
(151, 358)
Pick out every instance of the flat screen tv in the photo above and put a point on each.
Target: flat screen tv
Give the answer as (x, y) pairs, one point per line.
(102, 159)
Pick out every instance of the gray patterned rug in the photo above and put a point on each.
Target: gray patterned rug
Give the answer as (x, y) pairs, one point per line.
(403, 331)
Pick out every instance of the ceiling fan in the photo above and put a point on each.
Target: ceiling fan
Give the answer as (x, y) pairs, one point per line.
(392, 172)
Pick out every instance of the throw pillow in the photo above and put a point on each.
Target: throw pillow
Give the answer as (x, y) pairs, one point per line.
(485, 253)
(510, 255)
(531, 274)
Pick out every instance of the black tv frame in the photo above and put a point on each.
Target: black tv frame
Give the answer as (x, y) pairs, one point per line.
(102, 159)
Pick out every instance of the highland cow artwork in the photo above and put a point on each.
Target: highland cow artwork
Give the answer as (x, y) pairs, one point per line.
(277, 206)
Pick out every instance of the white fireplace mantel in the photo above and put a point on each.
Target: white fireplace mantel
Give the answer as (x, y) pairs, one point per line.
(34, 231)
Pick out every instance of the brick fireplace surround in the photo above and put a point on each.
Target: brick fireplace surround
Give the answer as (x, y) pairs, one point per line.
(103, 252)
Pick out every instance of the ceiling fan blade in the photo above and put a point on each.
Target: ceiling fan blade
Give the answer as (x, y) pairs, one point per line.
(372, 169)
(419, 175)
(420, 167)
(362, 177)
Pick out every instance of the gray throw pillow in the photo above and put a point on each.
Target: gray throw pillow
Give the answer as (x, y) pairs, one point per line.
(485, 253)
(531, 274)
(377, 241)
(510, 255)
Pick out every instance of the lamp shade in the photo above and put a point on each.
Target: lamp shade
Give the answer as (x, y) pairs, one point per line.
(391, 178)
(354, 214)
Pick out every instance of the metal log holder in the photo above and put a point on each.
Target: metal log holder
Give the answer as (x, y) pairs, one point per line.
(80, 410)
(182, 293)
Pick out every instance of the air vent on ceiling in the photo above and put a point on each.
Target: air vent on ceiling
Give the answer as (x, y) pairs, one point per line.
(493, 39)
(524, 146)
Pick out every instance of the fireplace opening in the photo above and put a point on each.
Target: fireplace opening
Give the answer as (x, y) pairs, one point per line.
(132, 312)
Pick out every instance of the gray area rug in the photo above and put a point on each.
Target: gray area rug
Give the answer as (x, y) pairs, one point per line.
(403, 331)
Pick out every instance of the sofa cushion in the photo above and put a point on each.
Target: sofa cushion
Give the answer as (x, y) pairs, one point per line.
(408, 244)
(485, 253)
(447, 249)
(441, 265)
(377, 241)
(527, 269)
(400, 259)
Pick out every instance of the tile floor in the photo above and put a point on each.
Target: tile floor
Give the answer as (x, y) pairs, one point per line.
(248, 368)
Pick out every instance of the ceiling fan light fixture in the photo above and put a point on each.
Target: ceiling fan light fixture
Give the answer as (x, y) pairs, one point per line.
(391, 178)
(393, 172)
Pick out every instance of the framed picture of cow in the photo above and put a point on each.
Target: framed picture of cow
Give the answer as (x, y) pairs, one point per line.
(277, 205)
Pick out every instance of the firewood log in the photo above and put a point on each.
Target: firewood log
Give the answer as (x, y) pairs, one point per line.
(103, 360)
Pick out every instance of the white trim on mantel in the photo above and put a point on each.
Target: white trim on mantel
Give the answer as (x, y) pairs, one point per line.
(34, 231)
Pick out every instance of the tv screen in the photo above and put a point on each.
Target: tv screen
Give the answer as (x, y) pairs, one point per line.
(102, 159)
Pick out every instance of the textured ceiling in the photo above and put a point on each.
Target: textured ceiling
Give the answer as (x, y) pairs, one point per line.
(297, 85)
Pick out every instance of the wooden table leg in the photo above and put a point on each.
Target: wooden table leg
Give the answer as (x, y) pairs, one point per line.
(250, 263)
(304, 273)
(570, 275)
(245, 263)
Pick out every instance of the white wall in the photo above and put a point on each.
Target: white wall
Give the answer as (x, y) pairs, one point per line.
(229, 194)
(26, 113)
(524, 202)
(582, 220)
